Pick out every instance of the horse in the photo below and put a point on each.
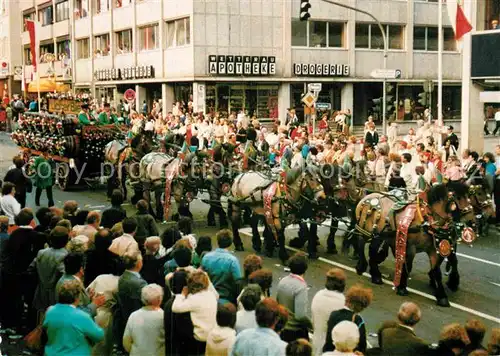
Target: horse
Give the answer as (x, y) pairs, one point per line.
(116, 155)
(275, 198)
(482, 203)
(431, 226)
(140, 145)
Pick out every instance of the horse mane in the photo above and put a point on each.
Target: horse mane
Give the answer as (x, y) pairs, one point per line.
(437, 193)
(460, 189)
(293, 174)
(136, 140)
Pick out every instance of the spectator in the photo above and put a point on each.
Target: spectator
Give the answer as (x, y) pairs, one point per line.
(146, 225)
(99, 260)
(299, 347)
(93, 223)
(221, 339)
(292, 294)
(44, 216)
(179, 329)
(263, 278)
(182, 256)
(8, 203)
(245, 318)
(126, 242)
(70, 210)
(116, 213)
(264, 339)
(203, 246)
(358, 298)
(154, 259)
(144, 333)
(4, 234)
(81, 218)
(69, 330)
(453, 341)
(475, 331)
(43, 177)
(197, 299)
(494, 344)
(326, 301)
(223, 268)
(346, 336)
(73, 270)
(17, 177)
(401, 339)
(78, 244)
(49, 267)
(169, 237)
(130, 286)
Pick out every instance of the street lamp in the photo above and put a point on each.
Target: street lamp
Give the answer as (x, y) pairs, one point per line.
(384, 37)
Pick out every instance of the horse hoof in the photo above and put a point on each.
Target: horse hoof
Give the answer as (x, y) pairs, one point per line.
(377, 280)
(453, 287)
(332, 251)
(403, 292)
(360, 269)
(296, 243)
(313, 256)
(239, 248)
(443, 302)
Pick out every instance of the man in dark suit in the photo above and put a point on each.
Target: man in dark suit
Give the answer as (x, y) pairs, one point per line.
(401, 340)
(130, 286)
(17, 177)
(452, 138)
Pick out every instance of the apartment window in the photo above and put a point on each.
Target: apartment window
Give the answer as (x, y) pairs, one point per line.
(30, 16)
(101, 45)
(81, 9)
(27, 56)
(46, 48)
(317, 34)
(426, 39)
(102, 6)
(62, 11)
(83, 48)
(178, 32)
(149, 37)
(369, 36)
(63, 49)
(124, 42)
(45, 16)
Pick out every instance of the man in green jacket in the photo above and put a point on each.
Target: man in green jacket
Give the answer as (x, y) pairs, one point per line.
(43, 178)
(83, 116)
(106, 117)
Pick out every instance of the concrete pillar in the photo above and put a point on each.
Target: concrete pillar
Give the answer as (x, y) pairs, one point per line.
(472, 135)
(199, 89)
(167, 98)
(347, 97)
(140, 96)
(283, 100)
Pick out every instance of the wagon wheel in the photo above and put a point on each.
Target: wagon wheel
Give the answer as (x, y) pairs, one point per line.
(65, 177)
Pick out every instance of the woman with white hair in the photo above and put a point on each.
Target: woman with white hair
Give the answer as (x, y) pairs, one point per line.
(144, 333)
(345, 337)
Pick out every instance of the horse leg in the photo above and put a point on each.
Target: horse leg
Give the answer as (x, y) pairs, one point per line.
(407, 267)
(301, 239)
(312, 240)
(330, 241)
(454, 278)
(159, 207)
(377, 251)
(256, 242)
(123, 183)
(436, 279)
(269, 241)
(282, 253)
(362, 264)
(346, 243)
(235, 225)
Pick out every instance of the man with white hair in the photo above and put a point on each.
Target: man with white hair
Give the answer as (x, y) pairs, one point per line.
(346, 337)
(145, 333)
(401, 339)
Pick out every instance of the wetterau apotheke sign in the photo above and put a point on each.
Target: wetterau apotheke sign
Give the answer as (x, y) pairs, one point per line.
(139, 72)
(321, 70)
(241, 65)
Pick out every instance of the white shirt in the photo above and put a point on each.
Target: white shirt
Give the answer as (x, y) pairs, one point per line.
(122, 244)
(245, 320)
(203, 309)
(10, 207)
(323, 304)
(497, 116)
(145, 333)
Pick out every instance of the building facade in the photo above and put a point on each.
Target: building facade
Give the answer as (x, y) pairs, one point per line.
(10, 49)
(231, 55)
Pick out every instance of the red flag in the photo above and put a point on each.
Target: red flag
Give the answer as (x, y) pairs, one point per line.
(459, 21)
(31, 27)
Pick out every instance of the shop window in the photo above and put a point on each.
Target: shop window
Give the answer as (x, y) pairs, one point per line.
(62, 11)
(27, 56)
(178, 32)
(299, 33)
(124, 42)
(149, 37)
(369, 36)
(63, 49)
(45, 16)
(83, 48)
(317, 34)
(28, 17)
(44, 49)
(102, 6)
(81, 9)
(426, 39)
(101, 45)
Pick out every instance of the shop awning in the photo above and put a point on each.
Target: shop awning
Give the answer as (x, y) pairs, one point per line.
(47, 85)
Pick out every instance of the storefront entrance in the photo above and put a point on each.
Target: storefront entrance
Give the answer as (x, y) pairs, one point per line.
(329, 96)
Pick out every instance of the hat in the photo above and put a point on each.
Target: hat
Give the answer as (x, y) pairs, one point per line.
(403, 144)
(450, 128)
(85, 106)
(106, 105)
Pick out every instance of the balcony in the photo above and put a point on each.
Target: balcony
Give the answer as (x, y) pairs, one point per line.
(122, 17)
(46, 33)
(102, 22)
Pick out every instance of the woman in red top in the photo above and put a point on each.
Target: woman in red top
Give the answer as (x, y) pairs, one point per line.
(323, 124)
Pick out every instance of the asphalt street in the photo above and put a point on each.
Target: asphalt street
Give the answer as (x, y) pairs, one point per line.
(479, 266)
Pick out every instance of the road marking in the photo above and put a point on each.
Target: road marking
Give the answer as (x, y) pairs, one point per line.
(478, 259)
(495, 284)
(248, 232)
(95, 206)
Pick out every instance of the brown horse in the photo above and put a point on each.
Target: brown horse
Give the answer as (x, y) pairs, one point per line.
(432, 226)
(483, 206)
(275, 198)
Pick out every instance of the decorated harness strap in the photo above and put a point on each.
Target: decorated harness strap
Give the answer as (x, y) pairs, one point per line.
(401, 238)
(170, 171)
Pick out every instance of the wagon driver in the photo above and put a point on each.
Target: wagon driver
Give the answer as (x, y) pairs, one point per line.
(107, 117)
(83, 116)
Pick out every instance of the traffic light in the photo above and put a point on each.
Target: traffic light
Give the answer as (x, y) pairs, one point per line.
(389, 100)
(377, 107)
(304, 10)
(423, 99)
